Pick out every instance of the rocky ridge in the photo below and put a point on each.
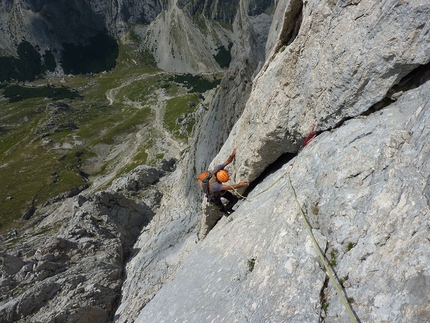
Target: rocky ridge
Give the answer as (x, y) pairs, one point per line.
(68, 265)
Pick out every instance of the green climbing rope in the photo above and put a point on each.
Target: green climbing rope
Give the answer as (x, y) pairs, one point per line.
(323, 259)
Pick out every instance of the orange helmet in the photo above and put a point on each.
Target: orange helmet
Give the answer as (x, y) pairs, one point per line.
(222, 176)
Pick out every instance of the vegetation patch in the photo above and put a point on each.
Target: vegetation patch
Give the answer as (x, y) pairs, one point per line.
(128, 124)
(28, 66)
(176, 109)
(17, 93)
(223, 56)
(41, 158)
(143, 89)
(195, 83)
(350, 246)
(139, 159)
(36, 176)
(333, 257)
(325, 306)
(251, 265)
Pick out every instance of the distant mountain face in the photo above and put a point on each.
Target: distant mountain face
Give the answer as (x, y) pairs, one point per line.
(49, 25)
(221, 10)
(52, 26)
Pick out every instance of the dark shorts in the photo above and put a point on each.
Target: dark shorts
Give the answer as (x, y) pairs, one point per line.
(216, 200)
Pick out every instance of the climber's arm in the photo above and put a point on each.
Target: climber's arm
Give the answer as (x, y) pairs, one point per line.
(235, 186)
(230, 158)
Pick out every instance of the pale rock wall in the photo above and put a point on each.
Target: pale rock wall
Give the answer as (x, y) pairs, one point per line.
(361, 187)
(360, 181)
(345, 59)
(173, 233)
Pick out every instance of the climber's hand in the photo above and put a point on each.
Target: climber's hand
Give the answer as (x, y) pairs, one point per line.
(244, 183)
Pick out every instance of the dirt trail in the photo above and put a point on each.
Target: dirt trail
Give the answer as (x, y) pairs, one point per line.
(111, 94)
(159, 110)
(121, 155)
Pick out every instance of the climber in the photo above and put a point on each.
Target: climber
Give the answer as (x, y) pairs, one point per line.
(216, 187)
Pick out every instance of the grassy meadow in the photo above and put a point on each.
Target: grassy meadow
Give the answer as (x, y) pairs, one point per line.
(52, 131)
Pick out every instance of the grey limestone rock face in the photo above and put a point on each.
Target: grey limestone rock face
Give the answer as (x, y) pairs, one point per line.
(141, 182)
(362, 181)
(340, 61)
(361, 187)
(371, 208)
(259, 265)
(139, 178)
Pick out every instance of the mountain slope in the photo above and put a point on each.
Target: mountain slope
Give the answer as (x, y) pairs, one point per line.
(324, 67)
